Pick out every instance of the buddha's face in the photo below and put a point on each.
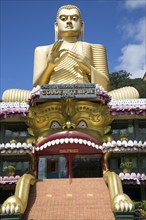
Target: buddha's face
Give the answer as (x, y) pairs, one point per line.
(69, 23)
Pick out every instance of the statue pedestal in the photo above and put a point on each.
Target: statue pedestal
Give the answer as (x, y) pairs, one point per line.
(124, 215)
(10, 217)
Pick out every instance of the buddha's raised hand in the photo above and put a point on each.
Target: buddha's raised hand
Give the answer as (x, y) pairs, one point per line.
(54, 58)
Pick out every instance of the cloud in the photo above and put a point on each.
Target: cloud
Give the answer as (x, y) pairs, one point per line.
(132, 60)
(134, 4)
(133, 56)
(135, 31)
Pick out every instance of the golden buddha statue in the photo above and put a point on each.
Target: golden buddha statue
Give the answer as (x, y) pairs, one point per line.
(70, 61)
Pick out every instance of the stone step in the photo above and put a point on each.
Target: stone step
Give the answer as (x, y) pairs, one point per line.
(58, 199)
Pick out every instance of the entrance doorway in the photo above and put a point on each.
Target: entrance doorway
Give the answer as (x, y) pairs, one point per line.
(56, 167)
(70, 165)
(53, 166)
(87, 166)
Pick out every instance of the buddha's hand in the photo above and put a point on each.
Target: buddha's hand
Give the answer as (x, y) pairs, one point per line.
(12, 205)
(82, 61)
(122, 202)
(55, 56)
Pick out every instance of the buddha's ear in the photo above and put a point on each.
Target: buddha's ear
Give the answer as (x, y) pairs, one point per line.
(56, 31)
(56, 26)
(82, 31)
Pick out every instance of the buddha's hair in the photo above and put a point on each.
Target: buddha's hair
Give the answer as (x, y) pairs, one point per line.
(68, 7)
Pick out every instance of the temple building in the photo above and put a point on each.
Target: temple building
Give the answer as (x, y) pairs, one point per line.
(71, 149)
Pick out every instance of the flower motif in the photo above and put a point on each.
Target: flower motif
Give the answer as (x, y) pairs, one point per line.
(128, 107)
(9, 179)
(16, 148)
(13, 109)
(133, 178)
(124, 146)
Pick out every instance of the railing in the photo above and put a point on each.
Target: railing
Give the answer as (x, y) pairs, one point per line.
(132, 215)
(139, 218)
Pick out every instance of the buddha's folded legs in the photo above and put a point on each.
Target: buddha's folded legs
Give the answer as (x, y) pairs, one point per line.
(127, 92)
(16, 95)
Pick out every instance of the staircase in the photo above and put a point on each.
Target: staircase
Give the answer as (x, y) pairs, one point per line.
(58, 199)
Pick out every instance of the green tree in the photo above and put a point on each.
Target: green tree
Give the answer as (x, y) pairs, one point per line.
(122, 78)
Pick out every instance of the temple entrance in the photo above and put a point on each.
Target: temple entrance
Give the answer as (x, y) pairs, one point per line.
(56, 167)
(87, 166)
(53, 166)
(69, 165)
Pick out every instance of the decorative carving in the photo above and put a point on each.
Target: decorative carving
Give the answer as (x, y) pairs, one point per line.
(68, 114)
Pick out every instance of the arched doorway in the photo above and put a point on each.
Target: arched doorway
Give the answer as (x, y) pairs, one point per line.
(70, 165)
(72, 155)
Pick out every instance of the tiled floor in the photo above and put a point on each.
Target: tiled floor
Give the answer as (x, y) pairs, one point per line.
(57, 199)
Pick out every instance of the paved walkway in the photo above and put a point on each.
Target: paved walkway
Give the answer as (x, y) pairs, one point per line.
(57, 199)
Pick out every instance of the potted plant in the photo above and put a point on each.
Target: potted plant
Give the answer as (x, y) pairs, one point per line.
(140, 208)
(126, 166)
(143, 210)
(10, 170)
